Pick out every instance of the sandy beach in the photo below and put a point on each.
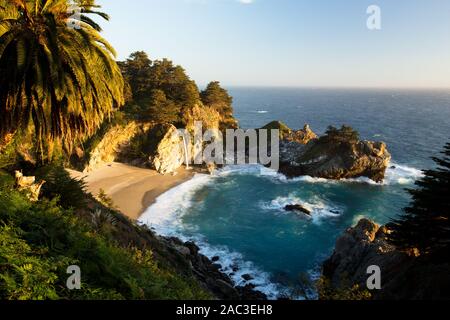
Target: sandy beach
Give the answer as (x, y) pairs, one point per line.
(132, 189)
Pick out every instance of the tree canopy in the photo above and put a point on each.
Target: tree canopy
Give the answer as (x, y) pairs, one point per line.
(161, 89)
(218, 98)
(215, 96)
(342, 135)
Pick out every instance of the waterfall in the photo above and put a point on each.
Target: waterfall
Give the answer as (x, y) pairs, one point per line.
(186, 155)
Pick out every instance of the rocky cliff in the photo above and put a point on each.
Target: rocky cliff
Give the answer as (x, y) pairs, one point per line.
(114, 144)
(404, 275)
(171, 150)
(147, 144)
(302, 152)
(167, 151)
(306, 155)
(208, 273)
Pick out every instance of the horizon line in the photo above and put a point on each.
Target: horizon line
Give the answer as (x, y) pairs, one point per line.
(312, 87)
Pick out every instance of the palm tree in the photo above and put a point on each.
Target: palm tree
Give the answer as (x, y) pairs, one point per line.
(59, 80)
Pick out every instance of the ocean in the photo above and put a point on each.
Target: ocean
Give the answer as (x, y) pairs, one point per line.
(237, 214)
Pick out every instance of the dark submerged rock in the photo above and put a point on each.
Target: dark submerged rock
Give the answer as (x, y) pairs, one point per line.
(297, 208)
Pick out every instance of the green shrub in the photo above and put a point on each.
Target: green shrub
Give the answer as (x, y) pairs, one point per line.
(59, 184)
(40, 240)
(347, 292)
(25, 273)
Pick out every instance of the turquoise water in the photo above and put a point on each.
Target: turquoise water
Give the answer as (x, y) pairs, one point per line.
(238, 213)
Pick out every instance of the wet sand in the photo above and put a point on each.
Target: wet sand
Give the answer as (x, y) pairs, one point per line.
(132, 189)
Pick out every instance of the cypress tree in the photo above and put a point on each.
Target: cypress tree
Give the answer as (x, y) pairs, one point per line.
(425, 224)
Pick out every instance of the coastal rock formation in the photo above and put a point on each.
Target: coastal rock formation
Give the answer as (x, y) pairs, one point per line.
(404, 275)
(147, 144)
(172, 150)
(210, 120)
(29, 186)
(297, 208)
(114, 144)
(208, 272)
(338, 155)
(302, 136)
(325, 158)
(169, 152)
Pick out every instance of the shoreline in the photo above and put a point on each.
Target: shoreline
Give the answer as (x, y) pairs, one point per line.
(132, 189)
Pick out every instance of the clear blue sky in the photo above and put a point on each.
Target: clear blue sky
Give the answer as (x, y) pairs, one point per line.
(289, 42)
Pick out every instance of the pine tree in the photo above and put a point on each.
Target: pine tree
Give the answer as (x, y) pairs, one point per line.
(161, 109)
(218, 98)
(344, 134)
(425, 224)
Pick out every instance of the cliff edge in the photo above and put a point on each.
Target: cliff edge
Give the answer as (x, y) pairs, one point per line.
(404, 275)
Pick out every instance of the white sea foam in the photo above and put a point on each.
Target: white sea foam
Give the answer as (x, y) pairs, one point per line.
(234, 265)
(165, 218)
(262, 111)
(165, 215)
(395, 175)
(250, 169)
(319, 208)
(400, 174)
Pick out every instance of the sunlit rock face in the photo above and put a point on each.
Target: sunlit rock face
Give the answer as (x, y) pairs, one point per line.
(404, 274)
(326, 159)
(115, 144)
(169, 153)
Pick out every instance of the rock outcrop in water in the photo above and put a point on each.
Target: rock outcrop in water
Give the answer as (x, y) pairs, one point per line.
(404, 275)
(302, 136)
(331, 158)
(298, 208)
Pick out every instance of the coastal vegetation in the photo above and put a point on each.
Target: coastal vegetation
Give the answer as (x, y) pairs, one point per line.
(61, 89)
(58, 83)
(62, 92)
(345, 134)
(412, 251)
(38, 241)
(425, 225)
(163, 93)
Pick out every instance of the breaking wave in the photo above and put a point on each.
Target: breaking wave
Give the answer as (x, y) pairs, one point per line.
(164, 217)
(319, 208)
